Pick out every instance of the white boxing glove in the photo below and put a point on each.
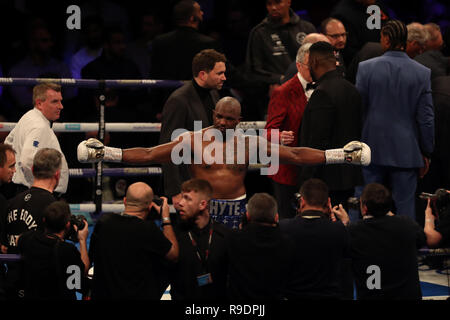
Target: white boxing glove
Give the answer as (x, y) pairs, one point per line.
(93, 150)
(354, 152)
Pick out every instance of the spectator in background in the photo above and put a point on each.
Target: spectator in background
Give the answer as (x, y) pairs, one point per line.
(121, 103)
(285, 113)
(354, 16)
(320, 246)
(273, 45)
(417, 39)
(259, 254)
(433, 57)
(336, 33)
(39, 63)
(397, 90)
(49, 261)
(93, 45)
(368, 51)
(172, 52)
(132, 243)
(310, 38)
(149, 27)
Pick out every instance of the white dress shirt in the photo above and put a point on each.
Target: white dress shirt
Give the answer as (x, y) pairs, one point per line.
(31, 133)
(304, 83)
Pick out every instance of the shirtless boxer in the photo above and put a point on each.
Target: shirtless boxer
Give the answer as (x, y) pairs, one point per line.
(226, 179)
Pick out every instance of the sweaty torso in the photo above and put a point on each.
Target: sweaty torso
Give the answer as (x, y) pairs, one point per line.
(223, 165)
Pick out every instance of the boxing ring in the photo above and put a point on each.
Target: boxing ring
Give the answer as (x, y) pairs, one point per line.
(98, 172)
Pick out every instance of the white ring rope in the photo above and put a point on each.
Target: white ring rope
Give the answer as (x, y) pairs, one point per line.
(119, 127)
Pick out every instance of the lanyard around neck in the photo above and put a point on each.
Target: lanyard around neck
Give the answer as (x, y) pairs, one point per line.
(194, 244)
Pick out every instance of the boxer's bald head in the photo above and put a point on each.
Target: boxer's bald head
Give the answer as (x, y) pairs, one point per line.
(227, 114)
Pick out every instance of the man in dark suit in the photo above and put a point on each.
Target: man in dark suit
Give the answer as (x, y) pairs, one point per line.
(194, 101)
(172, 52)
(439, 168)
(398, 122)
(333, 115)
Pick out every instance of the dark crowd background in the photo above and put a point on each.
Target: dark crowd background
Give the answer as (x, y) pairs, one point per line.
(228, 21)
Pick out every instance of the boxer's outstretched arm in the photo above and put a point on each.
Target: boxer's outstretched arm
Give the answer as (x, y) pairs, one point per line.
(301, 155)
(157, 154)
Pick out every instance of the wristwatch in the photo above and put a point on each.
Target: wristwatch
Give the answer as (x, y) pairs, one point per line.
(165, 219)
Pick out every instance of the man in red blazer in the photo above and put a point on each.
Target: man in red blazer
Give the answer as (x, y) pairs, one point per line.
(284, 113)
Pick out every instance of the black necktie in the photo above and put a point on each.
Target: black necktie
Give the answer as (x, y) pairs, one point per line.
(310, 86)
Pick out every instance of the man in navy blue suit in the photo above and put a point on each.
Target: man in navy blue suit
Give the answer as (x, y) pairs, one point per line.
(398, 121)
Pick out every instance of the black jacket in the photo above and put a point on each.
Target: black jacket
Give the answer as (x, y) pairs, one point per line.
(172, 53)
(180, 111)
(332, 118)
(272, 47)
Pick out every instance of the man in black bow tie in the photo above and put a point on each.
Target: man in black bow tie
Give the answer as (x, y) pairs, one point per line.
(285, 113)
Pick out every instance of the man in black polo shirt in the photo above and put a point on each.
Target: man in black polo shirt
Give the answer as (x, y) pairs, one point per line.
(320, 246)
(259, 253)
(201, 271)
(25, 211)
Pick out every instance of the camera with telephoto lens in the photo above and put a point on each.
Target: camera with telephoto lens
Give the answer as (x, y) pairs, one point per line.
(440, 201)
(75, 220)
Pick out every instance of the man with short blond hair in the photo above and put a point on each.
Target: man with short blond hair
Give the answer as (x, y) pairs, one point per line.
(34, 132)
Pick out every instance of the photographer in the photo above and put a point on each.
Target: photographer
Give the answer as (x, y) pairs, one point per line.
(25, 210)
(54, 269)
(127, 248)
(385, 242)
(438, 232)
(259, 254)
(320, 246)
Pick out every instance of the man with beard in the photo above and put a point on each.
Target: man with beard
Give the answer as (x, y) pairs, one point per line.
(201, 271)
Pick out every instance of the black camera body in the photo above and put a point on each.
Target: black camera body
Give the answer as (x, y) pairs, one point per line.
(75, 220)
(440, 201)
(154, 214)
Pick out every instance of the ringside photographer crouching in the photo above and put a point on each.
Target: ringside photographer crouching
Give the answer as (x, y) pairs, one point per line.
(383, 248)
(437, 219)
(54, 269)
